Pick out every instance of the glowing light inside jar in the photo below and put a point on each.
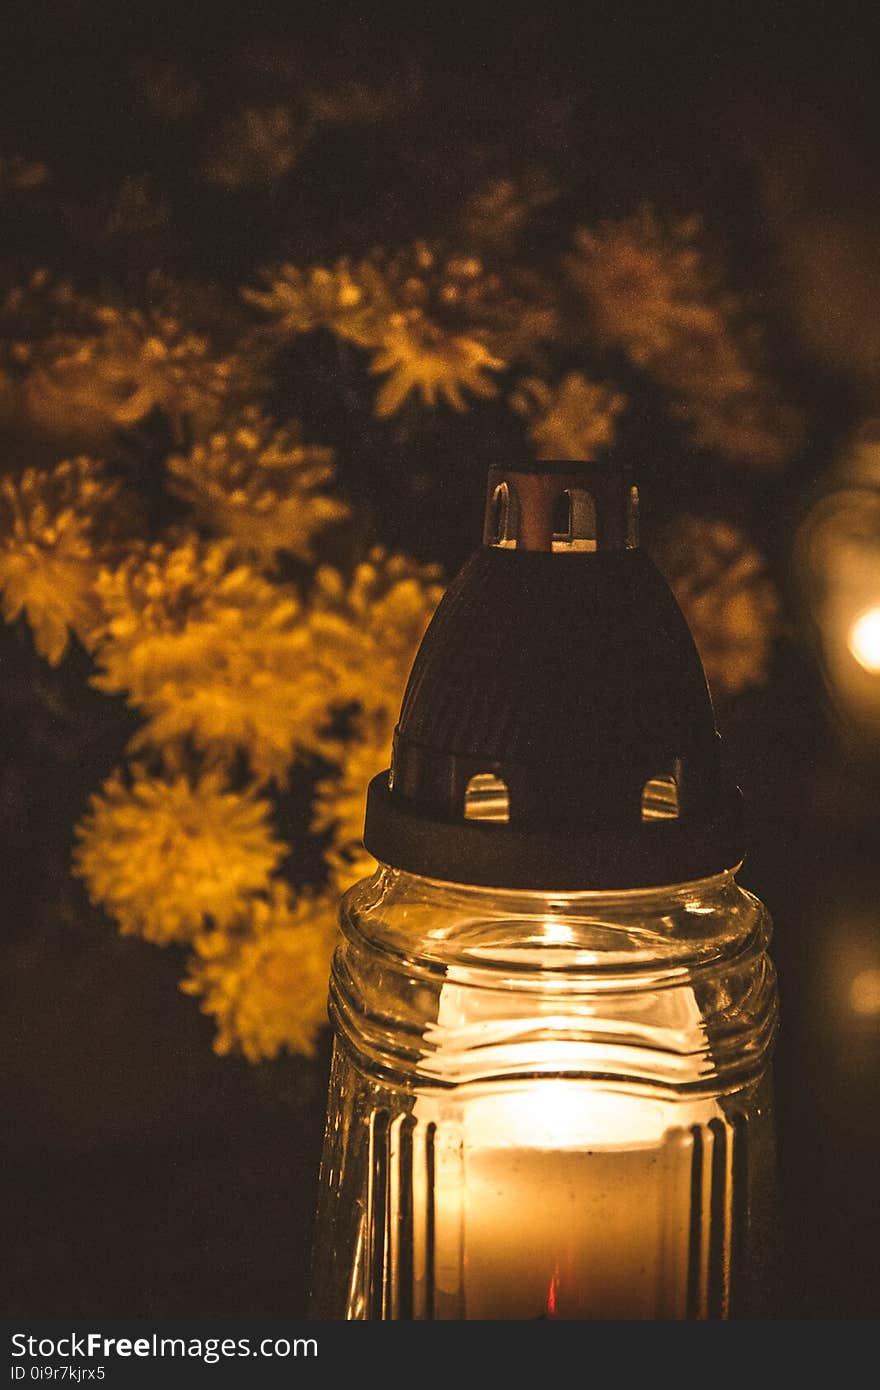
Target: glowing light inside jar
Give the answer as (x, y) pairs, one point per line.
(560, 1199)
(566, 1197)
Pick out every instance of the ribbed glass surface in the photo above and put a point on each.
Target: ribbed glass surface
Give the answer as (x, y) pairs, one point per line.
(547, 1108)
(450, 1228)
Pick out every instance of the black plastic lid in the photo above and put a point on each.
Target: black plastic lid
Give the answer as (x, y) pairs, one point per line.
(556, 731)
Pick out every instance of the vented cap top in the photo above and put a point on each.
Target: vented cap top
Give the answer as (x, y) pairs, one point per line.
(556, 731)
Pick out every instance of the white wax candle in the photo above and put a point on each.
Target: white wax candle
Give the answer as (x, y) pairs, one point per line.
(567, 1197)
(561, 1198)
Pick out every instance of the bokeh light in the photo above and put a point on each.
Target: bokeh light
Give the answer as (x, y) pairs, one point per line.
(864, 640)
(864, 992)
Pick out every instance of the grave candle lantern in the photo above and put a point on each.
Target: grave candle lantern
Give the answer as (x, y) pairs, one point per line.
(553, 1007)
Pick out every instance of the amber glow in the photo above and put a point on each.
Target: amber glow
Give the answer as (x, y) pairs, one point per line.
(864, 640)
(562, 1136)
(608, 1235)
(864, 992)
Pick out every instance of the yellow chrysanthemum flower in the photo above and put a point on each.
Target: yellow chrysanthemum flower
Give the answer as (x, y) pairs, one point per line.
(574, 420)
(56, 528)
(165, 855)
(42, 321)
(729, 600)
(341, 802)
(260, 486)
(265, 984)
(365, 631)
(380, 616)
(299, 301)
(651, 293)
(438, 325)
(39, 312)
(82, 368)
(418, 356)
(645, 284)
(212, 651)
(141, 361)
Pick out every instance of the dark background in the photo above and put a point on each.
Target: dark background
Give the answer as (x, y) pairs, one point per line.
(146, 1177)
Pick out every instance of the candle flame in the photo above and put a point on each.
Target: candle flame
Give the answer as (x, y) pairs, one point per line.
(553, 1293)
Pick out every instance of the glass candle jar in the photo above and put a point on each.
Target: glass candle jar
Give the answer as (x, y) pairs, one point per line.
(547, 1105)
(553, 1005)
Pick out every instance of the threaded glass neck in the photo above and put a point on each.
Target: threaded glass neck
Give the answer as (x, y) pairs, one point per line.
(668, 988)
